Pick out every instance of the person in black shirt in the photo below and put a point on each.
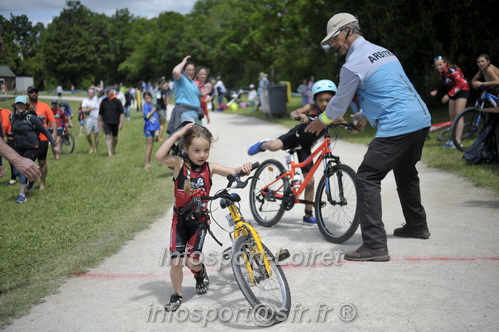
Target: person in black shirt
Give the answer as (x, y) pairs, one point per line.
(111, 116)
(26, 127)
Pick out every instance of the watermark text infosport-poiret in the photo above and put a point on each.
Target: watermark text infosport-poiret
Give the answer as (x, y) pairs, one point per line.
(215, 258)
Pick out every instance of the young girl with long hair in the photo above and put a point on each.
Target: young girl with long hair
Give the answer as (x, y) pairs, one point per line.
(192, 178)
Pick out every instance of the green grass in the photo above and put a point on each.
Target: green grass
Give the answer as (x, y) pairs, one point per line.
(434, 155)
(91, 206)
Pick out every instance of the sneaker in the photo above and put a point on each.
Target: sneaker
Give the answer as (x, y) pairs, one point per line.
(255, 148)
(175, 302)
(368, 254)
(21, 199)
(202, 282)
(10, 183)
(31, 185)
(407, 231)
(449, 144)
(310, 220)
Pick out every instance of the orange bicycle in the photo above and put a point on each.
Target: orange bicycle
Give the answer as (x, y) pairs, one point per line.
(274, 190)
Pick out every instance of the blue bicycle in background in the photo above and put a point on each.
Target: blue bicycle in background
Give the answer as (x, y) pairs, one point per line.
(474, 120)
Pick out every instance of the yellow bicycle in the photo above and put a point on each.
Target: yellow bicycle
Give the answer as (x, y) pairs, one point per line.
(255, 267)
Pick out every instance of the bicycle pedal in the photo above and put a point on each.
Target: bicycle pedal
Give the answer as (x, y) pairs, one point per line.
(226, 254)
(283, 255)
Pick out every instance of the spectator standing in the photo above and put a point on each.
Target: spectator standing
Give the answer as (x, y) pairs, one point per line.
(23, 165)
(120, 95)
(303, 91)
(45, 114)
(310, 85)
(263, 83)
(161, 105)
(151, 125)
(220, 90)
(81, 120)
(26, 129)
(187, 96)
(252, 97)
(111, 117)
(5, 134)
(60, 120)
(201, 82)
(90, 106)
(128, 103)
(59, 92)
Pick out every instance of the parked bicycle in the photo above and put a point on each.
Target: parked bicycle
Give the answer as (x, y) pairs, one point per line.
(274, 191)
(255, 268)
(474, 120)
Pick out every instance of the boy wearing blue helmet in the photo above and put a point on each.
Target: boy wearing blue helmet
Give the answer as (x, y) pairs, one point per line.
(322, 92)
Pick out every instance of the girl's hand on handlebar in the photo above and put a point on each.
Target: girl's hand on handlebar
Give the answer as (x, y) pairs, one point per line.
(247, 168)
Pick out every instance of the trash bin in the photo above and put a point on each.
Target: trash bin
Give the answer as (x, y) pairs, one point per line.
(276, 100)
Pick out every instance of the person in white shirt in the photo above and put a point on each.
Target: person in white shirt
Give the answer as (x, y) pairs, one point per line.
(90, 107)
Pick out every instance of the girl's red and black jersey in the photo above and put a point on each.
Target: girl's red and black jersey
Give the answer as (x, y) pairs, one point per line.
(453, 77)
(200, 184)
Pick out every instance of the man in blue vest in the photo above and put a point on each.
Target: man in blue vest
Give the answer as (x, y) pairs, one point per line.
(391, 104)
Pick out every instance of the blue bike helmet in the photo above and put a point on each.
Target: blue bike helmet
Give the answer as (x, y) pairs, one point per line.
(323, 85)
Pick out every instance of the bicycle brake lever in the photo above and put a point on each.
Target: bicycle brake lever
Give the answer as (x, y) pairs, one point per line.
(241, 184)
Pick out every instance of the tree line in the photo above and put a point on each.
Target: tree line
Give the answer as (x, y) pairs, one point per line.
(237, 39)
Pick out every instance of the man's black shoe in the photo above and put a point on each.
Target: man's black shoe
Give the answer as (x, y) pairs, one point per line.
(368, 254)
(407, 231)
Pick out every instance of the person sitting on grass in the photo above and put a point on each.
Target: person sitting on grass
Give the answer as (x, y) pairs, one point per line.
(322, 91)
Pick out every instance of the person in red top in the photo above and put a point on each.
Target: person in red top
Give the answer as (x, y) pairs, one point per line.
(5, 129)
(192, 176)
(44, 113)
(201, 76)
(60, 120)
(453, 80)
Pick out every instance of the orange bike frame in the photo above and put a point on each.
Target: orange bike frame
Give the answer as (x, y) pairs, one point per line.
(321, 150)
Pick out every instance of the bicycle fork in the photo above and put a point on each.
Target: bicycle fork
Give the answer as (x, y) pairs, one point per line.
(339, 175)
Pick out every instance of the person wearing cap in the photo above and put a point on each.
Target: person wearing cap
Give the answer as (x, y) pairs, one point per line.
(322, 91)
(111, 117)
(391, 104)
(45, 114)
(24, 165)
(26, 129)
